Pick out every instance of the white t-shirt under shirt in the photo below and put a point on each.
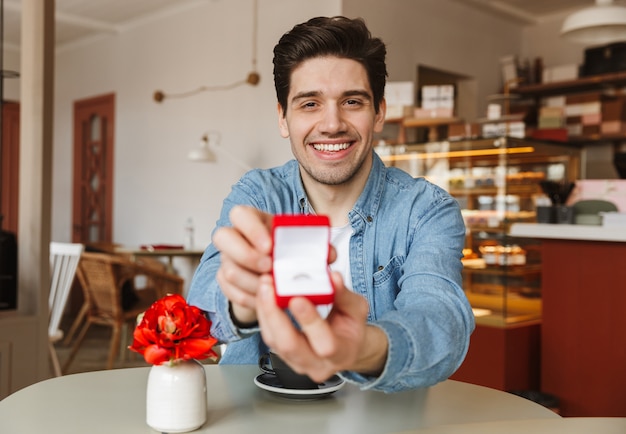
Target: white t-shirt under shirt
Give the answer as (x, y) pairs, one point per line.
(340, 239)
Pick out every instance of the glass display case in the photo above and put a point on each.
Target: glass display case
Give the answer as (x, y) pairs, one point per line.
(497, 182)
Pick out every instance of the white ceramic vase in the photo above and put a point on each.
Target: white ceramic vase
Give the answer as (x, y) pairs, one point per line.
(176, 397)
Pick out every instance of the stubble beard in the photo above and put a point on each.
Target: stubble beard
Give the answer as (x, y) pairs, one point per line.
(334, 176)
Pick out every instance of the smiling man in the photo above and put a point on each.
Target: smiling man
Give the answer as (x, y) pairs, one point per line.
(400, 319)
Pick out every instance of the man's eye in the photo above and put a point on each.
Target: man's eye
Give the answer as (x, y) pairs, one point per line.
(353, 102)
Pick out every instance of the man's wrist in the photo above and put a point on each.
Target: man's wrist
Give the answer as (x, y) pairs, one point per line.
(373, 355)
(245, 322)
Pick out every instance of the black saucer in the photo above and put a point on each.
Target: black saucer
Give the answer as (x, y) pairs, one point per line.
(270, 383)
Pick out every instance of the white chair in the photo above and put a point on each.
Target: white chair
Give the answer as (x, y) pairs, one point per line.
(64, 258)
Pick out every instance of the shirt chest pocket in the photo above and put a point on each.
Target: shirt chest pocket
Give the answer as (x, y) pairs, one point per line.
(385, 285)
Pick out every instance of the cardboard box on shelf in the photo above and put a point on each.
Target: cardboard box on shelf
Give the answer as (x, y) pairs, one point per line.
(400, 97)
(430, 97)
(399, 111)
(591, 119)
(463, 130)
(591, 130)
(439, 112)
(614, 109)
(498, 129)
(400, 93)
(552, 111)
(546, 122)
(555, 134)
(494, 111)
(613, 127)
(446, 96)
(574, 130)
(574, 120)
(560, 73)
(553, 101)
(437, 96)
(551, 117)
(584, 108)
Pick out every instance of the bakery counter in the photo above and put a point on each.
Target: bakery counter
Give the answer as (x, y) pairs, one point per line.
(583, 326)
(568, 232)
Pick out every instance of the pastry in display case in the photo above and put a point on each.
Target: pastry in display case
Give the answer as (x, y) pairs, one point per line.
(496, 182)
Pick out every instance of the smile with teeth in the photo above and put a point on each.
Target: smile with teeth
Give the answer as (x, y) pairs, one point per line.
(325, 147)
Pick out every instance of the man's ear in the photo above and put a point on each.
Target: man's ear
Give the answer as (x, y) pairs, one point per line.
(282, 122)
(379, 121)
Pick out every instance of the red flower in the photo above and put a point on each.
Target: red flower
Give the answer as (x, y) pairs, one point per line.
(172, 330)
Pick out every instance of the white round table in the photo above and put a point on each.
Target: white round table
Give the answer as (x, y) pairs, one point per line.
(569, 425)
(114, 402)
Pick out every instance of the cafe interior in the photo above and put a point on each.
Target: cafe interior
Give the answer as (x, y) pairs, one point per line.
(125, 123)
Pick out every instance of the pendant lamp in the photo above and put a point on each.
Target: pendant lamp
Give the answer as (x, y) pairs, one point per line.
(208, 153)
(602, 23)
(203, 152)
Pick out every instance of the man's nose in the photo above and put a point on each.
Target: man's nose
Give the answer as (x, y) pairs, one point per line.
(332, 121)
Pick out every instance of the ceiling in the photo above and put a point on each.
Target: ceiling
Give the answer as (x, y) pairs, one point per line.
(78, 21)
(81, 20)
(531, 11)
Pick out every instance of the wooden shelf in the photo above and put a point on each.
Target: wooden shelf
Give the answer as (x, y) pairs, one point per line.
(609, 81)
(518, 189)
(433, 124)
(429, 122)
(582, 84)
(512, 270)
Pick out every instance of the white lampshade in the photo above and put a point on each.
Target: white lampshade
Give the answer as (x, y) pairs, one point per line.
(600, 24)
(203, 152)
(208, 153)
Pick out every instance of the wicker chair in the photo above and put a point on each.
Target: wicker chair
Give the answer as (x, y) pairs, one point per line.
(102, 277)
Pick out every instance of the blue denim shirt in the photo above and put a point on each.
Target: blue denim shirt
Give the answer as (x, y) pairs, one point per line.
(405, 259)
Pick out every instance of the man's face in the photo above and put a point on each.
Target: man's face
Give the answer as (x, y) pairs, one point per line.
(331, 119)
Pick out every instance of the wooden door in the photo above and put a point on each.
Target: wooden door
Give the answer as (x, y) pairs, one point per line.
(10, 165)
(93, 169)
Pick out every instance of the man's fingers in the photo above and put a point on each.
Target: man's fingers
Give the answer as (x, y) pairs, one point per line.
(239, 287)
(317, 330)
(332, 254)
(254, 225)
(235, 248)
(276, 326)
(348, 300)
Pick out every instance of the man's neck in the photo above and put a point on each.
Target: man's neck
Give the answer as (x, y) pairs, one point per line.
(335, 201)
(332, 202)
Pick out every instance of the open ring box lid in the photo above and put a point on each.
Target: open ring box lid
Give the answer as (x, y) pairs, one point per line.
(300, 258)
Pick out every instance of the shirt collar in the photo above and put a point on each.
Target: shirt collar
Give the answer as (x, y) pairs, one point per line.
(367, 205)
(368, 202)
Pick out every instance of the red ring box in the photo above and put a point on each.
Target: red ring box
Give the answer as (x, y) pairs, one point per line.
(301, 246)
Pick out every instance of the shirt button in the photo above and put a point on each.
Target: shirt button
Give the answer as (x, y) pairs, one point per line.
(380, 268)
(370, 219)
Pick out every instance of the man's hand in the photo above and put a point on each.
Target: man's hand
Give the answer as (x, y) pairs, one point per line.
(342, 341)
(245, 250)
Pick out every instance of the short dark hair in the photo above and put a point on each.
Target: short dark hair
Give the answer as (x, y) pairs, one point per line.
(330, 36)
